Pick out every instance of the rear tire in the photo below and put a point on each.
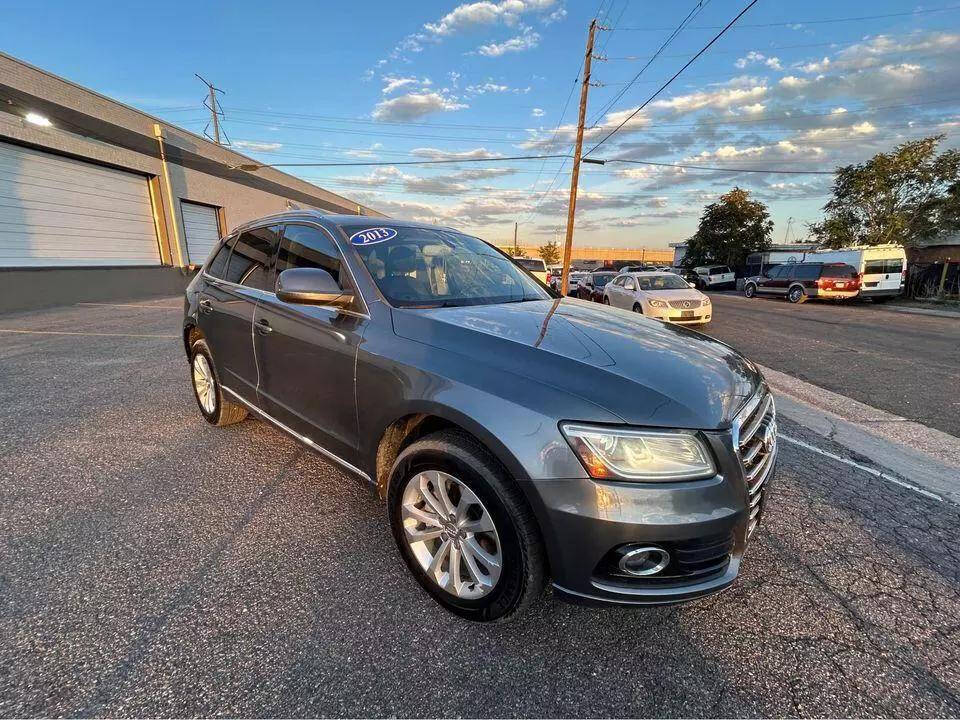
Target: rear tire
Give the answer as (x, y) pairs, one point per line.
(796, 295)
(638, 308)
(458, 462)
(606, 300)
(215, 409)
(749, 290)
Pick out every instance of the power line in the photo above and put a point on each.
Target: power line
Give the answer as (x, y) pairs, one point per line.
(808, 22)
(724, 169)
(257, 166)
(667, 83)
(694, 11)
(838, 44)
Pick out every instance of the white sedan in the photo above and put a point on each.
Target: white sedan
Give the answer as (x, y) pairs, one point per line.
(659, 295)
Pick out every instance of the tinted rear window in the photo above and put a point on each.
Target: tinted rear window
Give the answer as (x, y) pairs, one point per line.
(218, 266)
(531, 264)
(839, 271)
(806, 272)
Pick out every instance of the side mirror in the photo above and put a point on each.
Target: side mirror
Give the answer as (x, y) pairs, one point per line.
(311, 286)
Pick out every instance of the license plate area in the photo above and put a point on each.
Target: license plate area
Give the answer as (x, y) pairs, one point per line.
(684, 314)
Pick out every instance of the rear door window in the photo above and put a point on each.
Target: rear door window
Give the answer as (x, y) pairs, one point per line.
(894, 266)
(722, 270)
(251, 263)
(218, 266)
(874, 267)
(806, 272)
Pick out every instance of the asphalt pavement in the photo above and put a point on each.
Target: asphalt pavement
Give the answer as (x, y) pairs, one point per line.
(906, 364)
(151, 564)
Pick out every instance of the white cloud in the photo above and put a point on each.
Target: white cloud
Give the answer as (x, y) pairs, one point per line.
(838, 133)
(468, 15)
(437, 154)
(413, 106)
(714, 99)
(556, 16)
(537, 112)
(257, 146)
(772, 151)
(792, 81)
(527, 41)
(365, 153)
(838, 111)
(758, 57)
(392, 83)
(817, 66)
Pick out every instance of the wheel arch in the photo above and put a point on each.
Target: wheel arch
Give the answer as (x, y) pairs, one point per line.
(191, 333)
(420, 422)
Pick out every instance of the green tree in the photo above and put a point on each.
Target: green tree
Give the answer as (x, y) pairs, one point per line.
(549, 253)
(905, 196)
(730, 229)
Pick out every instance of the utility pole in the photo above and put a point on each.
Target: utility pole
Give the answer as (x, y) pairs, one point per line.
(575, 175)
(215, 112)
(516, 248)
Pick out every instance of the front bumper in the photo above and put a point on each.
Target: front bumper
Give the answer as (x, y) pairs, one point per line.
(696, 316)
(584, 520)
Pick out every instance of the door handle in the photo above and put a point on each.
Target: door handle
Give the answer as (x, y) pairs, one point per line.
(263, 327)
(206, 307)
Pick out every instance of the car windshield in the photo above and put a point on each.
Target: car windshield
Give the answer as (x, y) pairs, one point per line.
(662, 282)
(431, 267)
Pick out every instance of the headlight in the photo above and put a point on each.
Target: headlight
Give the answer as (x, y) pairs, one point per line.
(612, 453)
(706, 301)
(657, 303)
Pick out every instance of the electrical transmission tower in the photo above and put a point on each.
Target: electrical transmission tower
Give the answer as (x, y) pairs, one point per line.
(216, 112)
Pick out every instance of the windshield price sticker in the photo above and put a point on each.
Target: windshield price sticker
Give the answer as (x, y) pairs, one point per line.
(373, 235)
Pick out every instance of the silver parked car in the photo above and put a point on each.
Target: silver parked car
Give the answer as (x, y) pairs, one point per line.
(659, 295)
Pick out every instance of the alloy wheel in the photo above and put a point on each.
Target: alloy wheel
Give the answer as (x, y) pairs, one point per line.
(796, 294)
(203, 382)
(451, 534)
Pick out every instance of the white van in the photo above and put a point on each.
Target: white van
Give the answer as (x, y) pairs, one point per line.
(882, 268)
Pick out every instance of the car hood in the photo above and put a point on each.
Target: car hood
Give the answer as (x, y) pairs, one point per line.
(644, 371)
(688, 294)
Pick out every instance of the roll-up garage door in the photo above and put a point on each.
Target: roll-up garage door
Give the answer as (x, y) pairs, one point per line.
(59, 211)
(200, 229)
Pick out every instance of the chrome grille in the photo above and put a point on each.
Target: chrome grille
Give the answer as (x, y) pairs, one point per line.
(755, 433)
(684, 304)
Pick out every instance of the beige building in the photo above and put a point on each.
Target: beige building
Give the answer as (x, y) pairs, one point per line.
(99, 200)
(604, 255)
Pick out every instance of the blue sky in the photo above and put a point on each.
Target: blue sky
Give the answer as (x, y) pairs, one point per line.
(792, 86)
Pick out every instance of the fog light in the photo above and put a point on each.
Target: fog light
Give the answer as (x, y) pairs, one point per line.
(644, 561)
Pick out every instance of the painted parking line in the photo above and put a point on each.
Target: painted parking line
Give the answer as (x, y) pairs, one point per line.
(859, 466)
(86, 334)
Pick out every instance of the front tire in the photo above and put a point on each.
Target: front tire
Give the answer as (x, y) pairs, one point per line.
(464, 528)
(215, 409)
(606, 300)
(638, 308)
(749, 290)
